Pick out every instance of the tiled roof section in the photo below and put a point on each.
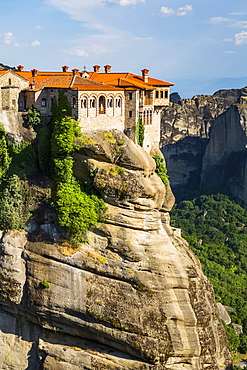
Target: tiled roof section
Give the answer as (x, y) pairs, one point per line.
(3, 72)
(81, 83)
(66, 81)
(129, 79)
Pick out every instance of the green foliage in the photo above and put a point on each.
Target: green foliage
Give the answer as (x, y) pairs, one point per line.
(140, 128)
(23, 159)
(77, 210)
(61, 108)
(161, 170)
(45, 284)
(33, 116)
(44, 148)
(5, 158)
(13, 204)
(216, 229)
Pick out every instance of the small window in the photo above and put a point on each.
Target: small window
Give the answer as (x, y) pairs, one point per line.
(130, 114)
(9, 81)
(110, 103)
(84, 103)
(130, 96)
(43, 102)
(162, 94)
(166, 94)
(13, 102)
(52, 100)
(92, 103)
(74, 102)
(157, 94)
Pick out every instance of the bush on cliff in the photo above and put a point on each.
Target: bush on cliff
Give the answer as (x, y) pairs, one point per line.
(77, 210)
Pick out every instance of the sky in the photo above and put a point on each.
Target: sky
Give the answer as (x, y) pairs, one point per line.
(199, 45)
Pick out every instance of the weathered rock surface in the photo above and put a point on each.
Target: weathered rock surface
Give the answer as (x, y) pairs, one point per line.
(226, 152)
(185, 131)
(132, 297)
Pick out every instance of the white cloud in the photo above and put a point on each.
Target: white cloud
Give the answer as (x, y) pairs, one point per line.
(236, 13)
(241, 38)
(239, 24)
(36, 43)
(79, 53)
(8, 37)
(38, 27)
(128, 2)
(180, 11)
(227, 40)
(166, 10)
(218, 20)
(229, 52)
(143, 38)
(184, 10)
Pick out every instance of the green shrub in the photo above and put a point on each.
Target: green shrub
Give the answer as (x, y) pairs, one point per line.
(5, 158)
(13, 204)
(33, 116)
(161, 170)
(140, 128)
(45, 284)
(77, 210)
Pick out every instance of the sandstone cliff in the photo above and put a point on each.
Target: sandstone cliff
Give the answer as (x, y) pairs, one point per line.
(132, 297)
(185, 131)
(225, 154)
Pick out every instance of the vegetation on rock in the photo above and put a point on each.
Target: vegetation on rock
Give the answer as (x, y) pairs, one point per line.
(140, 128)
(216, 230)
(77, 209)
(33, 116)
(161, 170)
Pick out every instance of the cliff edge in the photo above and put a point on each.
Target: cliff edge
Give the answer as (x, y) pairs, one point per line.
(132, 297)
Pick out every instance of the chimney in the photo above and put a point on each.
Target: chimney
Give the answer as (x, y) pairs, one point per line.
(34, 72)
(107, 69)
(20, 68)
(145, 75)
(75, 72)
(65, 68)
(96, 68)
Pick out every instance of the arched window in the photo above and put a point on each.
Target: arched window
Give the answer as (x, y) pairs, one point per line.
(118, 102)
(84, 103)
(93, 102)
(110, 102)
(43, 102)
(101, 104)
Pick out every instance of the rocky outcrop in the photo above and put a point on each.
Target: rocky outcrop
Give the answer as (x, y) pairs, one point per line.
(132, 297)
(226, 152)
(185, 131)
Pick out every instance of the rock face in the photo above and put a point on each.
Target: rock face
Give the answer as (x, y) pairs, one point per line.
(226, 152)
(185, 131)
(132, 297)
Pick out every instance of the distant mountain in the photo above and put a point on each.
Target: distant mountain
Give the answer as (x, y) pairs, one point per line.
(187, 88)
(4, 66)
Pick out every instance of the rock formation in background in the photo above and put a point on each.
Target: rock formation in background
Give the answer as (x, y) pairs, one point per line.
(185, 131)
(132, 297)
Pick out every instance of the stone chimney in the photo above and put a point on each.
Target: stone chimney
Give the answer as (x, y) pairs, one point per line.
(96, 68)
(65, 68)
(107, 69)
(20, 68)
(145, 75)
(34, 72)
(75, 72)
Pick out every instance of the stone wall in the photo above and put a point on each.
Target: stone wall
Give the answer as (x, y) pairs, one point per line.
(10, 88)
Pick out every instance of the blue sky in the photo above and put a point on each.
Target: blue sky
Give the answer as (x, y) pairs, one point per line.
(200, 45)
